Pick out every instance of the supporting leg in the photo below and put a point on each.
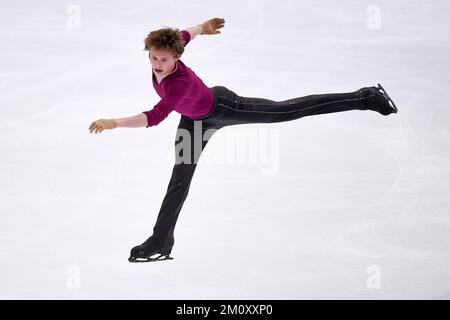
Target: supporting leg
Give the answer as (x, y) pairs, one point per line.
(189, 145)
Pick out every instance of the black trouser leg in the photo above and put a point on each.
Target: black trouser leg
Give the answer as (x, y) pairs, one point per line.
(189, 144)
(235, 109)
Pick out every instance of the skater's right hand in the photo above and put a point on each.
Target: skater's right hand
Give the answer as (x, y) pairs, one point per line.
(211, 26)
(102, 124)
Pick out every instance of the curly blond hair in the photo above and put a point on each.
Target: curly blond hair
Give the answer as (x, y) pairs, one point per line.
(166, 38)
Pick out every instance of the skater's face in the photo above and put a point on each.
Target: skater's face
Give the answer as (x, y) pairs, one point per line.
(163, 61)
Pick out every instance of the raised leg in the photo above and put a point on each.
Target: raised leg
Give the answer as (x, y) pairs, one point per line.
(236, 109)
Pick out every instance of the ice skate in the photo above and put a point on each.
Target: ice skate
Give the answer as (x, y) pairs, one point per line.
(391, 107)
(161, 257)
(149, 251)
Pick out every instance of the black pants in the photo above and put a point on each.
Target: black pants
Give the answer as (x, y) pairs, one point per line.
(231, 109)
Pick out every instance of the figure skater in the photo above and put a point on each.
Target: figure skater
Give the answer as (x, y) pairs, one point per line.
(205, 110)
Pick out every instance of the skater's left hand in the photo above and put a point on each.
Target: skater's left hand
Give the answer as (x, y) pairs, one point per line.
(102, 124)
(212, 25)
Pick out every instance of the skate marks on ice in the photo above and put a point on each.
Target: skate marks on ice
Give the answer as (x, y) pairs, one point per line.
(382, 200)
(367, 226)
(63, 83)
(254, 9)
(392, 227)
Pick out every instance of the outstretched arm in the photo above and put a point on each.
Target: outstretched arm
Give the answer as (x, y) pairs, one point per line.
(194, 31)
(136, 121)
(208, 27)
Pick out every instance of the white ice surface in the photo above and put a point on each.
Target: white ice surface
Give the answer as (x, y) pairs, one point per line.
(352, 189)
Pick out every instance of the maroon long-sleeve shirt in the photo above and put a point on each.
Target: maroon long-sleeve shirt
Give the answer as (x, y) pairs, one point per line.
(182, 91)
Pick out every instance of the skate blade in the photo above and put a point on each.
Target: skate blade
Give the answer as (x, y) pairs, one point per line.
(161, 257)
(391, 102)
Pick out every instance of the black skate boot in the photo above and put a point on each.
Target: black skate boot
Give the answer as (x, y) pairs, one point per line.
(151, 247)
(382, 102)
